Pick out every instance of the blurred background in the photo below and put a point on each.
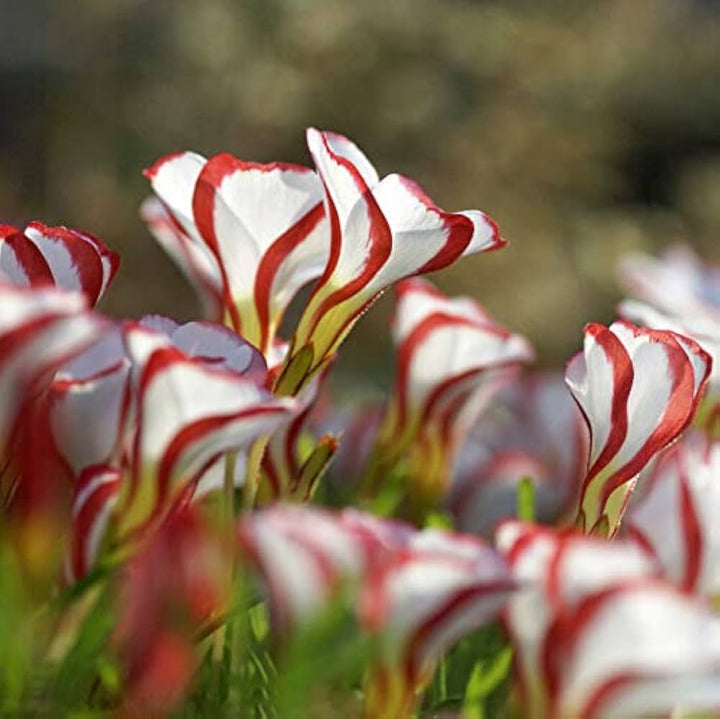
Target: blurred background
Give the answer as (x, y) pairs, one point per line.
(585, 129)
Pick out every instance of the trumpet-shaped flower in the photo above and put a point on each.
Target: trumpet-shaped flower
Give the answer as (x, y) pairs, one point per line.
(556, 571)
(639, 650)
(418, 592)
(381, 231)
(705, 330)
(68, 259)
(638, 389)
(676, 515)
(533, 430)
(289, 472)
(190, 254)
(451, 359)
(189, 413)
(433, 590)
(305, 555)
(264, 227)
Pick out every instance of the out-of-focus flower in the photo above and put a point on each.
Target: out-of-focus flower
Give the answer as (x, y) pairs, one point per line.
(435, 588)
(679, 284)
(381, 231)
(556, 571)
(264, 226)
(68, 259)
(676, 516)
(534, 430)
(638, 650)
(418, 592)
(40, 328)
(177, 582)
(678, 292)
(451, 359)
(638, 389)
(305, 555)
(95, 495)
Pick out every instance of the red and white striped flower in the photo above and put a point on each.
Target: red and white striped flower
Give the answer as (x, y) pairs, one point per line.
(95, 496)
(678, 283)
(677, 292)
(434, 589)
(381, 231)
(676, 516)
(305, 556)
(417, 591)
(638, 650)
(638, 389)
(533, 429)
(451, 359)
(189, 413)
(705, 330)
(40, 329)
(68, 259)
(264, 226)
(176, 584)
(556, 571)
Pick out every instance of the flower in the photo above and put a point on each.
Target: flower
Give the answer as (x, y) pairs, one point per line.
(176, 583)
(556, 571)
(434, 589)
(289, 471)
(40, 329)
(640, 650)
(417, 591)
(676, 515)
(263, 225)
(638, 389)
(533, 430)
(190, 254)
(451, 359)
(95, 496)
(381, 231)
(90, 404)
(68, 259)
(189, 413)
(677, 292)
(305, 556)
(678, 284)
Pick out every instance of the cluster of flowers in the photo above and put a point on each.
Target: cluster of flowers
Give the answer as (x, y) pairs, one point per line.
(186, 450)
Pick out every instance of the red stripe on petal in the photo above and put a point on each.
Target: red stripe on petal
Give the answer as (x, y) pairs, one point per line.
(623, 375)
(271, 262)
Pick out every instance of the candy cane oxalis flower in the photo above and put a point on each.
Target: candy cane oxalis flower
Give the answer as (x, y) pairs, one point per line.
(416, 592)
(188, 414)
(452, 358)
(257, 232)
(638, 389)
(676, 515)
(381, 231)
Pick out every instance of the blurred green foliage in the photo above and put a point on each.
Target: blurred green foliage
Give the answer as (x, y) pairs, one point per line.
(585, 129)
